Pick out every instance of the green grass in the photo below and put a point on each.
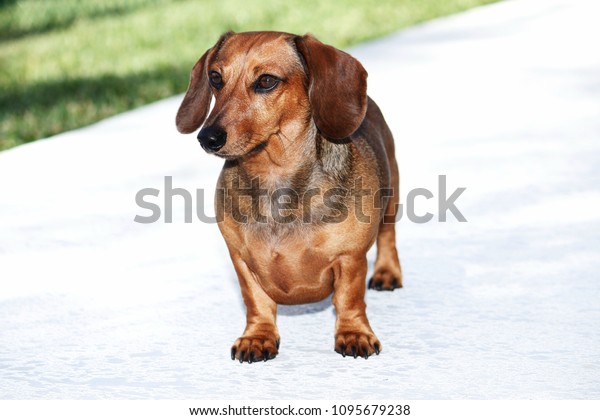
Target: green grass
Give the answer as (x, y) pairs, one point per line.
(68, 63)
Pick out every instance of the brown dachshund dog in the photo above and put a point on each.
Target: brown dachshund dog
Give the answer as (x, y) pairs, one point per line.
(310, 180)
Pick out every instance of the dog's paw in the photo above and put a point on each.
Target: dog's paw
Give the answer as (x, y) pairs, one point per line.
(255, 348)
(386, 279)
(357, 344)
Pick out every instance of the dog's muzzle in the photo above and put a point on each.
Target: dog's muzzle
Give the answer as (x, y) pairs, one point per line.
(212, 138)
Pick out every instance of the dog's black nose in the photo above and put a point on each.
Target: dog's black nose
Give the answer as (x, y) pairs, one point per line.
(212, 138)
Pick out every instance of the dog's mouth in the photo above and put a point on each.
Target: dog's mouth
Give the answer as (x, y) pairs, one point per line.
(256, 149)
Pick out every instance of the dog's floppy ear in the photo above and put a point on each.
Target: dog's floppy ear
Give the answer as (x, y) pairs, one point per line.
(196, 102)
(337, 88)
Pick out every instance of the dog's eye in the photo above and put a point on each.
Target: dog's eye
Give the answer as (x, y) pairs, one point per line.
(265, 83)
(215, 79)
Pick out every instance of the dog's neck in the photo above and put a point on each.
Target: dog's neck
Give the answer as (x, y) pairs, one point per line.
(298, 163)
(280, 164)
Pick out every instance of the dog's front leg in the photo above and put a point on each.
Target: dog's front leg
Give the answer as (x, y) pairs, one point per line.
(260, 340)
(353, 334)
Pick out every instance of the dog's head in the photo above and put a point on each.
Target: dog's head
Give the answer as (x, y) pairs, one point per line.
(269, 84)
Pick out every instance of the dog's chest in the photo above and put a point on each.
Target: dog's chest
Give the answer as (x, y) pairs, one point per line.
(282, 209)
(292, 269)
